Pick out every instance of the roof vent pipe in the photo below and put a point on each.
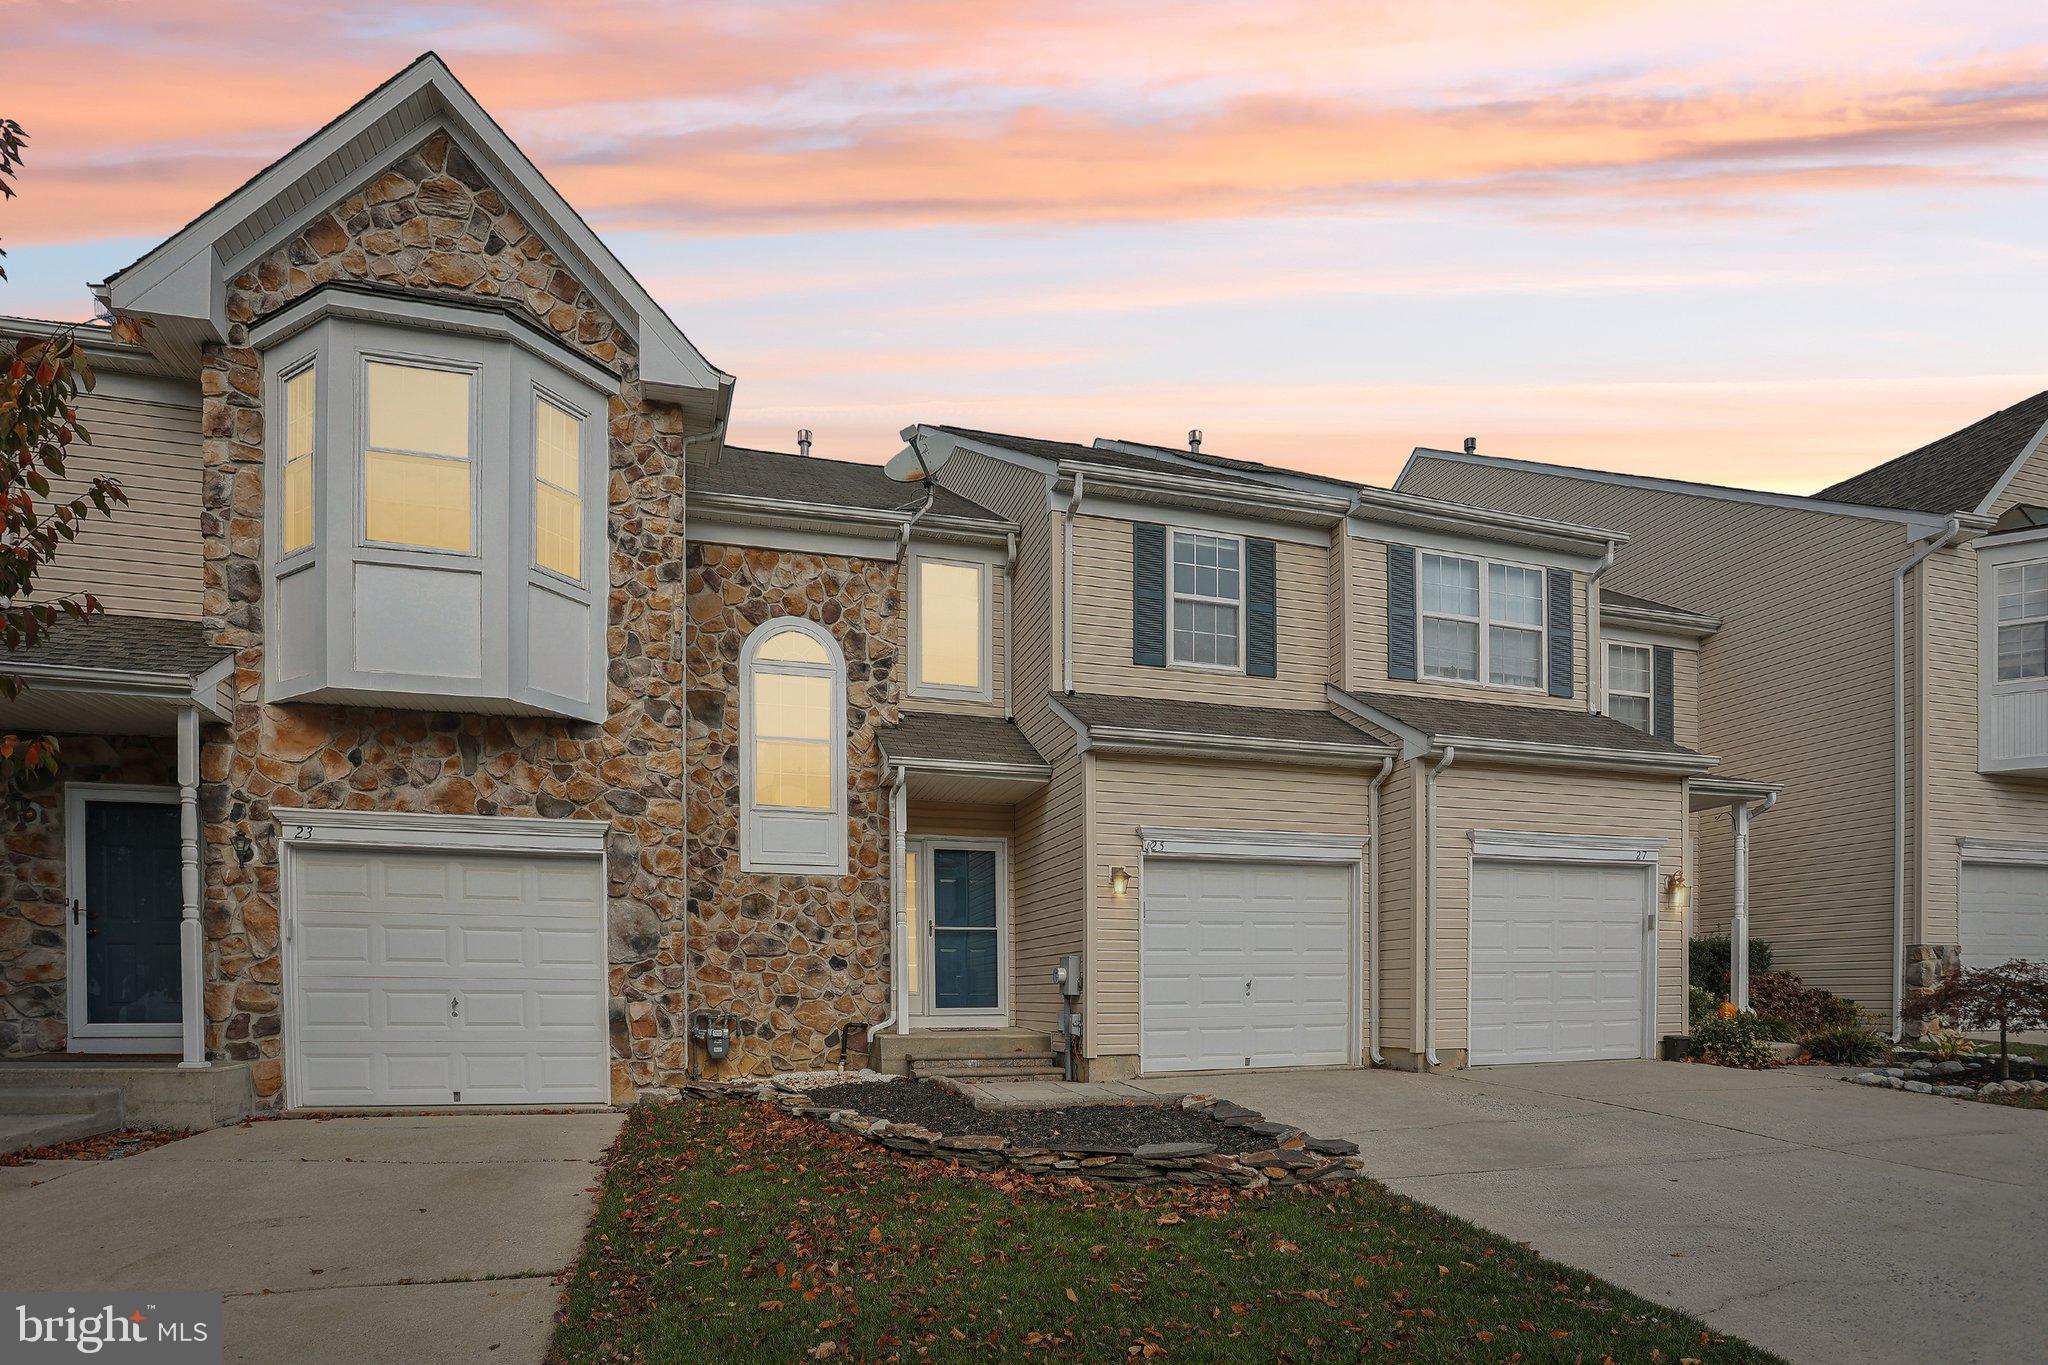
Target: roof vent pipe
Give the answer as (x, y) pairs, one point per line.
(803, 442)
(1471, 445)
(1195, 441)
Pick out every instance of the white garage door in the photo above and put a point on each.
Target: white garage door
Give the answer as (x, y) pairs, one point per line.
(1557, 961)
(1246, 965)
(2003, 913)
(431, 978)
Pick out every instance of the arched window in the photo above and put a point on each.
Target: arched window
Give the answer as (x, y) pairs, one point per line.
(792, 749)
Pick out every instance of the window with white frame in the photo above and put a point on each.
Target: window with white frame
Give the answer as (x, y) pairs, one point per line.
(2023, 621)
(950, 628)
(416, 460)
(793, 741)
(1630, 689)
(1205, 600)
(301, 421)
(1482, 620)
(557, 488)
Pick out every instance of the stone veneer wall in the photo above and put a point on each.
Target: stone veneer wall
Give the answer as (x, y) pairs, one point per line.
(796, 959)
(431, 223)
(32, 890)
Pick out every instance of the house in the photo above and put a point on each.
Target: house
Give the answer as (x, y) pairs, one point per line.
(1882, 655)
(471, 723)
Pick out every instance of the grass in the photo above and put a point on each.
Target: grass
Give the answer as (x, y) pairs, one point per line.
(727, 1229)
(1989, 1048)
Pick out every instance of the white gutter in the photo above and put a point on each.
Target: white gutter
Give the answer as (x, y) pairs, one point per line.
(1009, 635)
(1372, 914)
(1948, 533)
(1429, 776)
(1067, 583)
(1595, 684)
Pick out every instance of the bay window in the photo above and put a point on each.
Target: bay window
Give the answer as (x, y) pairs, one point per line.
(2023, 621)
(1482, 620)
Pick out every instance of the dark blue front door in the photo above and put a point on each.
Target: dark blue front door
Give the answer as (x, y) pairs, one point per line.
(966, 954)
(130, 913)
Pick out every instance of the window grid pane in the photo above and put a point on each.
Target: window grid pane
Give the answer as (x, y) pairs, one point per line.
(557, 531)
(792, 646)
(300, 415)
(1450, 587)
(949, 627)
(1516, 595)
(1450, 649)
(2023, 652)
(792, 772)
(792, 706)
(1208, 588)
(1632, 711)
(1628, 669)
(416, 500)
(419, 410)
(1514, 656)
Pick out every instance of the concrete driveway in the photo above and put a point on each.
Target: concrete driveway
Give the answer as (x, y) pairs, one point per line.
(1827, 1222)
(360, 1239)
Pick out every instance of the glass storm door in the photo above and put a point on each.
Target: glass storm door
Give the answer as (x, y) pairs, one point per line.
(966, 930)
(125, 910)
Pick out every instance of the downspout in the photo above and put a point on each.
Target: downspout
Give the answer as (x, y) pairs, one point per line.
(1067, 585)
(898, 806)
(1429, 776)
(1372, 914)
(716, 433)
(1595, 684)
(1009, 637)
(1948, 533)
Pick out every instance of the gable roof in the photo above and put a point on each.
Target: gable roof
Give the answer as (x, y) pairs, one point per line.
(179, 282)
(1072, 452)
(777, 476)
(1961, 472)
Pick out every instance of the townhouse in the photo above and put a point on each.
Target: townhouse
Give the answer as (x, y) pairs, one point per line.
(1882, 658)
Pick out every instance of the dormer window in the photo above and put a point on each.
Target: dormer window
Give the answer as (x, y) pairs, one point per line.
(435, 509)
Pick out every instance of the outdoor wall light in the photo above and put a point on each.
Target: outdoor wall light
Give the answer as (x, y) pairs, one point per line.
(1680, 893)
(1119, 880)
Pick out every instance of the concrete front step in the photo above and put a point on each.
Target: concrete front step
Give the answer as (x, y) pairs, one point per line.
(989, 1068)
(894, 1052)
(152, 1094)
(39, 1118)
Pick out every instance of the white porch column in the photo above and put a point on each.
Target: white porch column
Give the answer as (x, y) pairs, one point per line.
(191, 942)
(1738, 927)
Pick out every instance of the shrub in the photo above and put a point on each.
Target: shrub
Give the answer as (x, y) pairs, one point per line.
(1699, 1007)
(1739, 1042)
(1778, 1030)
(2008, 997)
(1850, 1046)
(1945, 1045)
(1807, 1010)
(1711, 955)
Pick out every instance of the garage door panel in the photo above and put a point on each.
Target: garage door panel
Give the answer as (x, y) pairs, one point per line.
(436, 979)
(1246, 964)
(1556, 961)
(2002, 913)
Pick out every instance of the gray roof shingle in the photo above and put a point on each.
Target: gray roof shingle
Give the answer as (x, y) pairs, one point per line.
(140, 644)
(1565, 726)
(1120, 459)
(958, 739)
(771, 474)
(1953, 474)
(1197, 719)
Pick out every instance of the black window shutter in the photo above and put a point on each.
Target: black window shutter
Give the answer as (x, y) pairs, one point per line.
(1148, 594)
(1663, 705)
(1562, 670)
(1401, 612)
(1261, 583)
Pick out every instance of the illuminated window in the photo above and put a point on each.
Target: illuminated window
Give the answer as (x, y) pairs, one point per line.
(952, 628)
(793, 737)
(416, 462)
(300, 414)
(557, 490)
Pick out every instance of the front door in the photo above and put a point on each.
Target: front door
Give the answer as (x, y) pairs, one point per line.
(963, 906)
(124, 909)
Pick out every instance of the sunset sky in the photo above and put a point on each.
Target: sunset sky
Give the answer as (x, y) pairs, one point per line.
(1756, 243)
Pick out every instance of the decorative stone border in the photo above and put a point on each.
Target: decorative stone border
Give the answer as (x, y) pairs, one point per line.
(1294, 1158)
(1921, 1074)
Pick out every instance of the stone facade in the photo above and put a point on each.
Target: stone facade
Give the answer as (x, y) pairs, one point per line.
(432, 224)
(32, 885)
(797, 960)
(1926, 965)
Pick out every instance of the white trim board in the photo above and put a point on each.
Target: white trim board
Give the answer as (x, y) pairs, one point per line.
(1497, 844)
(423, 830)
(2015, 852)
(1249, 845)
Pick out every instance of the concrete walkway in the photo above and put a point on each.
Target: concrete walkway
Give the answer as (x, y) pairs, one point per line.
(1824, 1221)
(371, 1240)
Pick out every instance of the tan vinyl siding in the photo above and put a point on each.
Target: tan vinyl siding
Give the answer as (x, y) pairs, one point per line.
(1046, 906)
(144, 560)
(2029, 485)
(999, 605)
(1367, 640)
(925, 819)
(1399, 963)
(1129, 793)
(1102, 627)
(1795, 688)
(1549, 801)
(1340, 583)
(1685, 699)
(1959, 801)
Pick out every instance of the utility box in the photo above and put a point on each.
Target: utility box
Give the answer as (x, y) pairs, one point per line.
(1067, 975)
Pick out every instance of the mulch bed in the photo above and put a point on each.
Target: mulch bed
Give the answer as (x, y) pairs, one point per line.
(100, 1147)
(1109, 1125)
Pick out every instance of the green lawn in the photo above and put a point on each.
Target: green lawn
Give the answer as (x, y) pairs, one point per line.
(1988, 1047)
(726, 1229)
